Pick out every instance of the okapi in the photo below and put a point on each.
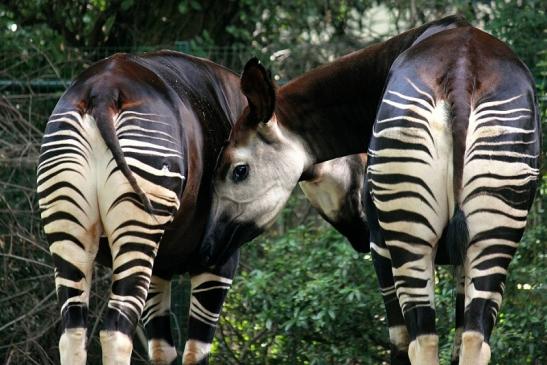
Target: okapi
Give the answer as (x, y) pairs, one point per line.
(124, 179)
(448, 116)
(129, 153)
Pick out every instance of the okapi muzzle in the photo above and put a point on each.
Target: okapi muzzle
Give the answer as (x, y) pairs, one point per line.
(223, 236)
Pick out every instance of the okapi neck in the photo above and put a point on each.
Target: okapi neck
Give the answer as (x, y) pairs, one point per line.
(333, 107)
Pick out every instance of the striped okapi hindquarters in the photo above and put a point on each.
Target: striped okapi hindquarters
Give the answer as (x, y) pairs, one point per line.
(128, 191)
(422, 195)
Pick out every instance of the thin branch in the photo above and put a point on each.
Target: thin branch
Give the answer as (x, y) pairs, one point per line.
(26, 260)
(29, 312)
(96, 324)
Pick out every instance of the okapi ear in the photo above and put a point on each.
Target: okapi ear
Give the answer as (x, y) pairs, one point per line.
(259, 89)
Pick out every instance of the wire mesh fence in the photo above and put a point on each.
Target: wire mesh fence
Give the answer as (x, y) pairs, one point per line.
(41, 68)
(32, 78)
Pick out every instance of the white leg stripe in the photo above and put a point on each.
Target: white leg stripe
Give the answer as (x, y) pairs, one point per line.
(72, 346)
(202, 278)
(384, 252)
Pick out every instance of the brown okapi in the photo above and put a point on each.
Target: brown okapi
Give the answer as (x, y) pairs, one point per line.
(124, 179)
(128, 153)
(448, 116)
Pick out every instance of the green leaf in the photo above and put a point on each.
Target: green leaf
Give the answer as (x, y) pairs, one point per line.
(195, 5)
(126, 4)
(183, 7)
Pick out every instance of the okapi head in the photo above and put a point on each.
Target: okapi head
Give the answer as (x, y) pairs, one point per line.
(256, 171)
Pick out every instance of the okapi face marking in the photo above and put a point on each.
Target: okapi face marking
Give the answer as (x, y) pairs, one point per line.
(256, 171)
(255, 177)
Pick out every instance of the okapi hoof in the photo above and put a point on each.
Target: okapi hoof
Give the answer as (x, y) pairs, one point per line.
(196, 353)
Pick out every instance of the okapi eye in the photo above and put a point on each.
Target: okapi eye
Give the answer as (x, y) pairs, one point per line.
(240, 173)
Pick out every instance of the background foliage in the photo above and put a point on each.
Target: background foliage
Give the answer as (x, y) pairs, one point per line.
(302, 295)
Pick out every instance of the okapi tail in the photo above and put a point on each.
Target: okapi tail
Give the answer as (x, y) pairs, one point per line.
(458, 84)
(457, 237)
(103, 113)
(457, 231)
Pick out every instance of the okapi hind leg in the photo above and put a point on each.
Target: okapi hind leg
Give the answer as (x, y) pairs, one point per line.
(157, 322)
(407, 174)
(73, 284)
(134, 235)
(460, 302)
(70, 217)
(134, 244)
(398, 334)
(209, 290)
(500, 178)
(485, 267)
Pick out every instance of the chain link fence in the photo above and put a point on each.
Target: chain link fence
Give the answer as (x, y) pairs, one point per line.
(32, 78)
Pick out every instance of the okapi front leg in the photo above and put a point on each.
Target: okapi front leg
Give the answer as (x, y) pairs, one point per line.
(157, 322)
(209, 290)
(398, 334)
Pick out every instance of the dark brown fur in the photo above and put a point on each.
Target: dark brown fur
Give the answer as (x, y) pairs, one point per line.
(346, 93)
(204, 100)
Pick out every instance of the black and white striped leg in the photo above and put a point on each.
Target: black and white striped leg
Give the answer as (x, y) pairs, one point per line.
(460, 303)
(134, 248)
(73, 282)
(398, 334)
(209, 290)
(410, 248)
(499, 181)
(133, 240)
(156, 318)
(415, 290)
(486, 270)
(407, 175)
(70, 217)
